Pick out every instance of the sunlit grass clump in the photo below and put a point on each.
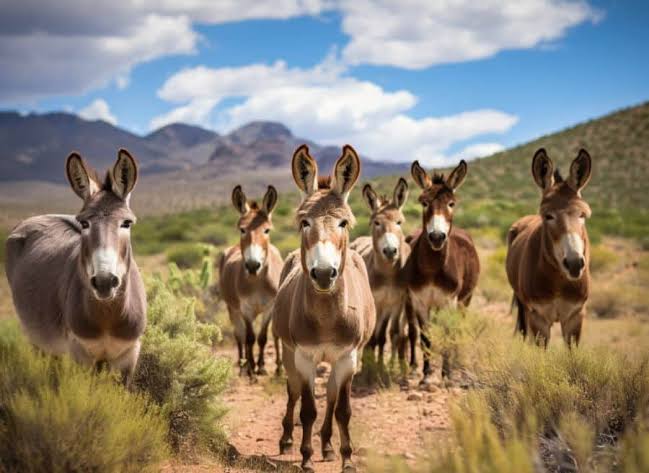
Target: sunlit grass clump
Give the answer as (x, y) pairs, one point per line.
(57, 416)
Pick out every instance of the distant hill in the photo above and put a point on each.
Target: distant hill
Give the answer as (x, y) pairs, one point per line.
(34, 146)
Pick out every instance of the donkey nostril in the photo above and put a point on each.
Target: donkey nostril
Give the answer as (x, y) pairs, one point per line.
(565, 263)
(582, 263)
(334, 273)
(114, 281)
(93, 282)
(313, 274)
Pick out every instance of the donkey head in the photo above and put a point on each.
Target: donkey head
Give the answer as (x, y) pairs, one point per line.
(324, 217)
(105, 220)
(438, 200)
(563, 210)
(254, 226)
(386, 220)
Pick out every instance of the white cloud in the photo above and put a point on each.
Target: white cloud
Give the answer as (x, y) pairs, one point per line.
(420, 33)
(324, 104)
(98, 109)
(479, 150)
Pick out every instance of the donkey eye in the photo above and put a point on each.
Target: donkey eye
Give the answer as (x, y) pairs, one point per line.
(376, 223)
(242, 230)
(267, 231)
(84, 224)
(549, 217)
(451, 204)
(424, 204)
(343, 223)
(127, 224)
(399, 222)
(304, 224)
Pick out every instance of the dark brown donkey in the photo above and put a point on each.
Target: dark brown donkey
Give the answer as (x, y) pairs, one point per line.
(249, 276)
(324, 309)
(385, 253)
(548, 253)
(443, 267)
(74, 281)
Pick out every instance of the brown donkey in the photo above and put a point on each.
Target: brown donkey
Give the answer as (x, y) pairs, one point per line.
(249, 276)
(548, 253)
(385, 253)
(324, 309)
(443, 267)
(74, 281)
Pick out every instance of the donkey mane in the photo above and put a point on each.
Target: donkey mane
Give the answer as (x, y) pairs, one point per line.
(438, 178)
(324, 182)
(557, 176)
(253, 205)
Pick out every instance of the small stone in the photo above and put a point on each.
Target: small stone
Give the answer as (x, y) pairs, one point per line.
(414, 397)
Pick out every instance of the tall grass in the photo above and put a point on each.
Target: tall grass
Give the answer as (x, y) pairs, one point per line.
(57, 416)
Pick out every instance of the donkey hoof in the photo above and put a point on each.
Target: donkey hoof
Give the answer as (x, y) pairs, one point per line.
(426, 381)
(307, 466)
(286, 448)
(328, 454)
(261, 371)
(348, 467)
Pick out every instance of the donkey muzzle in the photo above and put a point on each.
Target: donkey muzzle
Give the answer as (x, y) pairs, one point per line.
(437, 239)
(252, 266)
(574, 266)
(389, 252)
(104, 284)
(324, 278)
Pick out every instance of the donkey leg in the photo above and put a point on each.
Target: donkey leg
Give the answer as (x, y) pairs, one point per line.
(240, 336)
(250, 343)
(127, 362)
(293, 389)
(344, 372)
(381, 338)
(328, 454)
(413, 325)
(262, 338)
(308, 413)
(571, 328)
(278, 356)
(425, 347)
(539, 328)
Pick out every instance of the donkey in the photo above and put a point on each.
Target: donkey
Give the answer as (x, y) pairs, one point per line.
(74, 280)
(548, 254)
(385, 253)
(324, 310)
(443, 267)
(249, 276)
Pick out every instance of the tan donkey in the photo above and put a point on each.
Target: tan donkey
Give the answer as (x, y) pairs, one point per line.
(385, 253)
(74, 280)
(248, 277)
(548, 253)
(443, 267)
(324, 310)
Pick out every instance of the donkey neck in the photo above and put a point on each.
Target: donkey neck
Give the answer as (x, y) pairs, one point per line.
(428, 260)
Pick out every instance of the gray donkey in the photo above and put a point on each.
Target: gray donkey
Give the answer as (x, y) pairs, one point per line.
(74, 281)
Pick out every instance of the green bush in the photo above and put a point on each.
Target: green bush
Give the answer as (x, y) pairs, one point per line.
(56, 416)
(602, 259)
(177, 367)
(188, 255)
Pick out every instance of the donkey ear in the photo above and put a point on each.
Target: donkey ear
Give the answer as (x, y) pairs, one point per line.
(543, 169)
(400, 193)
(419, 175)
(239, 200)
(457, 176)
(81, 177)
(124, 175)
(580, 171)
(346, 172)
(305, 170)
(270, 200)
(371, 198)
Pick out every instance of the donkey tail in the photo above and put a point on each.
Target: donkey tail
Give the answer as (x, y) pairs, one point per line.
(521, 326)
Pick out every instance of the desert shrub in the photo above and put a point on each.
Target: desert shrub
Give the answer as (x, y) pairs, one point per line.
(606, 302)
(57, 416)
(188, 255)
(602, 258)
(493, 279)
(177, 367)
(3, 238)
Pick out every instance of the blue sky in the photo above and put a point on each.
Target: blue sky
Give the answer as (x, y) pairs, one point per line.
(426, 81)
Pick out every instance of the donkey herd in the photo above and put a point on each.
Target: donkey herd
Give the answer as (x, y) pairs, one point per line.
(77, 288)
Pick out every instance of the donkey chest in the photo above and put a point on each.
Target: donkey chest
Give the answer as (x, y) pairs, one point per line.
(387, 297)
(254, 303)
(105, 347)
(557, 309)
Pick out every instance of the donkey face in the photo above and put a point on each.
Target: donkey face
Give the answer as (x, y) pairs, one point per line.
(105, 221)
(254, 226)
(324, 217)
(563, 210)
(386, 220)
(438, 201)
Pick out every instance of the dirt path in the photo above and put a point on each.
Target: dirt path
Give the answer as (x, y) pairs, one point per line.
(392, 421)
